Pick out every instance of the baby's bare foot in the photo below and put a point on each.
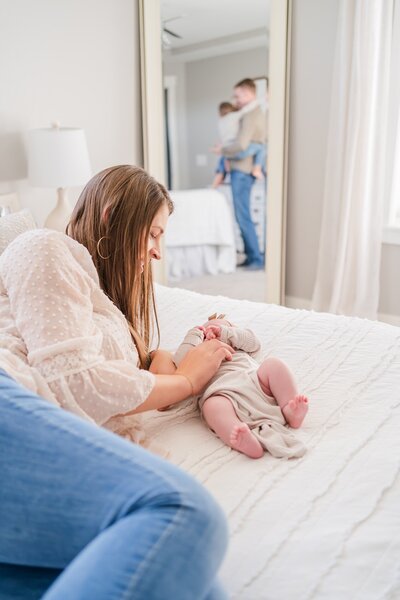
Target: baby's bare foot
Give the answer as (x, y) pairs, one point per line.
(243, 440)
(295, 411)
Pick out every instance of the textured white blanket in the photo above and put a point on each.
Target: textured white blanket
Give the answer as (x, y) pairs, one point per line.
(326, 526)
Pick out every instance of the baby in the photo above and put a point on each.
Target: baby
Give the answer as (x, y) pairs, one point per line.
(228, 126)
(248, 404)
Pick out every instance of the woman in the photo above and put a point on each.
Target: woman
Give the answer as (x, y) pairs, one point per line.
(75, 318)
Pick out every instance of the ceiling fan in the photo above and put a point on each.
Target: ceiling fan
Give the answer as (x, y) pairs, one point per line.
(167, 30)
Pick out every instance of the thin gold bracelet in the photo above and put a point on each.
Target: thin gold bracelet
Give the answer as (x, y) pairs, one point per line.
(190, 383)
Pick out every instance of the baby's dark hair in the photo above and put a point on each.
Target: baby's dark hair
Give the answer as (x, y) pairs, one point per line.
(226, 107)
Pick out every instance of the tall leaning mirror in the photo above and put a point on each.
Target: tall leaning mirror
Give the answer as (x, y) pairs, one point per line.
(226, 175)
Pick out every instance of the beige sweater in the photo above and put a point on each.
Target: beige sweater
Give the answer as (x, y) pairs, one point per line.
(252, 128)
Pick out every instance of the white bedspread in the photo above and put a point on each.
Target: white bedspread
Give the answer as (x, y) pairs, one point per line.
(200, 217)
(200, 234)
(326, 526)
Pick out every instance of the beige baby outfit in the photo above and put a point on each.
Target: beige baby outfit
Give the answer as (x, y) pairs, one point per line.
(237, 380)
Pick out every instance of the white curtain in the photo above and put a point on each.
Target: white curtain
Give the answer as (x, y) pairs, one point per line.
(347, 279)
(393, 165)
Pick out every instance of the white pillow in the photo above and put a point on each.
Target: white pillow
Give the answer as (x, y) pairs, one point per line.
(12, 225)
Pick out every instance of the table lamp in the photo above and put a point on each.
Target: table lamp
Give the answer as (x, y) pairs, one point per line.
(58, 158)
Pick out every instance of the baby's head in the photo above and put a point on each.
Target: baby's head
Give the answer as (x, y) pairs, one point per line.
(217, 319)
(226, 107)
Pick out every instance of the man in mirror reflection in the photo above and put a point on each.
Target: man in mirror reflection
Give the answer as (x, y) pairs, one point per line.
(228, 128)
(243, 159)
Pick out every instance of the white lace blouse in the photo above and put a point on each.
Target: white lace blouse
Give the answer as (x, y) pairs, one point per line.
(60, 335)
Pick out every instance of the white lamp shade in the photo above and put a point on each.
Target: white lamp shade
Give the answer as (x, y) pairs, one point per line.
(58, 158)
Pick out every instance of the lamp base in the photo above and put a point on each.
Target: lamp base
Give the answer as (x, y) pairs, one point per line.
(59, 218)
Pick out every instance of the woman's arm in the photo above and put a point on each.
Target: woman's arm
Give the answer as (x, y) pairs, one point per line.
(50, 293)
(50, 281)
(194, 372)
(162, 363)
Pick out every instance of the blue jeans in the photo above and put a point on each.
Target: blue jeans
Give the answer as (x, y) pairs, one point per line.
(86, 515)
(241, 184)
(253, 149)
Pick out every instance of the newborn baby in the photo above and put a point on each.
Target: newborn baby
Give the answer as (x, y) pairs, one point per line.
(248, 404)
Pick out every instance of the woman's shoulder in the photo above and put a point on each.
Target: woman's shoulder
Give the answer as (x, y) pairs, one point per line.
(41, 243)
(38, 238)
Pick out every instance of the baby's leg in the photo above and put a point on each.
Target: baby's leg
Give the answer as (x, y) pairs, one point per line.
(277, 380)
(219, 173)
(259, 161)
(221, 417)
(218, 180)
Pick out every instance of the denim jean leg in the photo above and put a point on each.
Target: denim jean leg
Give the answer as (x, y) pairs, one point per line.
(241, 188)
(97, 515)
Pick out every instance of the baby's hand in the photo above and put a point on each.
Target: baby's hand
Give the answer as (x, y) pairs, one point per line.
(216, 149)
(212, 332)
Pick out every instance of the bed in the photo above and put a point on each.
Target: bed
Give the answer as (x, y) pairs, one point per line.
(200, 236)
(326, 526)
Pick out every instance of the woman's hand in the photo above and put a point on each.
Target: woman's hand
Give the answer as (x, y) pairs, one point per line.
(201, 363)
(195, 371)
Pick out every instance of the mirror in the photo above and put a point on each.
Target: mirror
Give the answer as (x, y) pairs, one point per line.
(192, 56)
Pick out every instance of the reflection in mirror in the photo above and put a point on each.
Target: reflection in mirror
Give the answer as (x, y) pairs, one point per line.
(216, 143)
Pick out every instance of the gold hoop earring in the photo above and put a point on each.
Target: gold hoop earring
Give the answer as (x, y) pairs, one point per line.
(98, 249)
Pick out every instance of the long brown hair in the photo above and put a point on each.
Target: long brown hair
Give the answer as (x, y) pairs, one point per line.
(112, 218)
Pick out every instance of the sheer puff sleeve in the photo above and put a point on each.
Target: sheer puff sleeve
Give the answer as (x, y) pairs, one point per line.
(51, 282)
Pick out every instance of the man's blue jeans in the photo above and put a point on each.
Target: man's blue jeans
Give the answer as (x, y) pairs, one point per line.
(258, 151)
(241, 184)
(86, 515)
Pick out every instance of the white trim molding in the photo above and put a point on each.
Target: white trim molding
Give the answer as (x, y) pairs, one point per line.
(151, 81)
(279, 69)
(170, 82)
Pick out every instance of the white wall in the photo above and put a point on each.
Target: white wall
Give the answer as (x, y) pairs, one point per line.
(313, 40)
(76, 62)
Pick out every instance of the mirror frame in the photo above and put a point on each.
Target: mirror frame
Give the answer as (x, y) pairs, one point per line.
(153, 128)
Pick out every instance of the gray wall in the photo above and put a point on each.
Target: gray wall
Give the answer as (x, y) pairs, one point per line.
(208, 82)
(313, 39)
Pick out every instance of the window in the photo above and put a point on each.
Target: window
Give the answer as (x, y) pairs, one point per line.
(392, 187)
